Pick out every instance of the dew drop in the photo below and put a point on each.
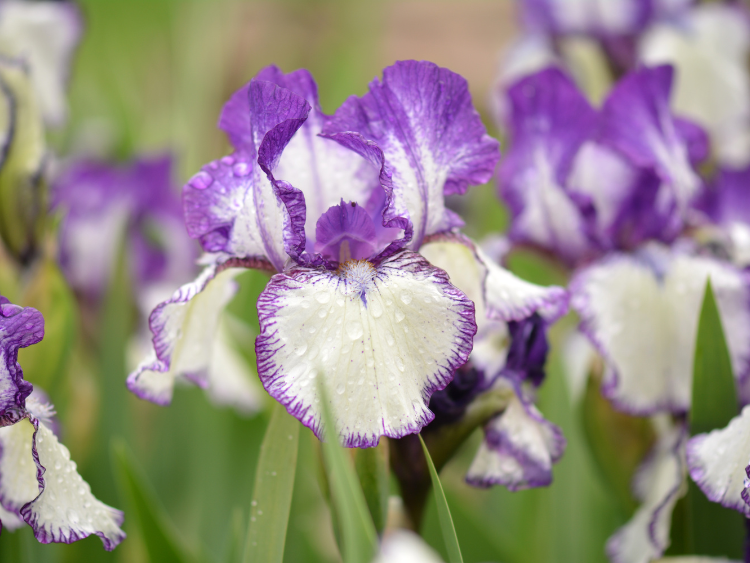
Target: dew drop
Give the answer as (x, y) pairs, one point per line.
(301, 349)
(376, 309)
(201, 180)
(354, 329)
(322, 313)
(340, 389)
(241, 169)
(305, 304)
(227, 160)
(389, 339)
(322, 297)
(400, 315)
(405, 297)
(400, 364)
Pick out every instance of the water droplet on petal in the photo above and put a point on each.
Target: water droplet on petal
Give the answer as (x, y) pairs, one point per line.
(405, 297)
(400, 315)
(376, 309)
(389, 339)
(340, 389)
(354, 329)
(241, 169)
(201, 180)
(322, 297)
(301, 349)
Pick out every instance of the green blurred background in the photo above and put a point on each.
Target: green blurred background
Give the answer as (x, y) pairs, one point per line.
(152, 75)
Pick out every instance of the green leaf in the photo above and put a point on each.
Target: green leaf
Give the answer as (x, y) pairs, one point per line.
(358, 535)
(22, 191)
(48, 292)
(372, 469)
(707, 527)
(714, 401)
(274, 484)
(144, 509)
(444, 513)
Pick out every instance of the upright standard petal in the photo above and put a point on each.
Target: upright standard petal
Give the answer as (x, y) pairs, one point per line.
(641, 312)
(434, 143)
(44, 34)
(519, 446)
(184, 329)
(659, 483)
(549, 121)
(231, 205)
(595, 17)
(637, 121)
(377, 339)
(717, 462)
(19, 327)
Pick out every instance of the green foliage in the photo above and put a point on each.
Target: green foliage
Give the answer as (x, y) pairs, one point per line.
(274, 484)
(373, 471)
(444, 513)
(48, 292)
(144, 509)
(359, 540)
(22, 192)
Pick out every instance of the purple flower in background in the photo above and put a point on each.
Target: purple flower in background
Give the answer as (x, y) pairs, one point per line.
(580, 182)
(338, 206)
(106, 204)
(39, 483)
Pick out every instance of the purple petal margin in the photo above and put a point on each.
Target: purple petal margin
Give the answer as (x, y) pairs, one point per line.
(269, 342)
(19, 327)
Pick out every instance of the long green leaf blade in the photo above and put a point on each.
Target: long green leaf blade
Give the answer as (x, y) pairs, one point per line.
(444, 513)
(714, 397)
(145, 510)
(359, 538)
(712, 529)
(274, 484)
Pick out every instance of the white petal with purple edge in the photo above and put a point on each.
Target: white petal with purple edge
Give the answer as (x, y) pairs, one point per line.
(65, 510)
(519, 449)
(382, 340)
(660, 482)
(717, 462)
(641, 312)
(184, 330)
(45, 35)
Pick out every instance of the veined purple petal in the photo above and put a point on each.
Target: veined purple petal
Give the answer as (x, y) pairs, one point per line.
(320, 168)
(528, 349)
(380, 339)
(641, 312)
(434, 143)
(19, 327)
(659, 483)
(231, 205)
(549, 121)
(717, 462)
(519, 447)
(345, 232)
(184, 329)
(637, 121)
(45, 36)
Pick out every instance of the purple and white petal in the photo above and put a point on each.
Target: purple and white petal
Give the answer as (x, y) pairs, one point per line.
(403, 546)
(184, 329)
(641, 312)
(433, 139)
(18, 484)
(377, 340)
(44, 35)
(637, 122)
(709, 47)
(62, 508)
(19, 327)
(717, 462)
(549, 121)
(231, 205)
(591, 17)
(519, 448)
(323, 170)
(659, 483)
(10, 520)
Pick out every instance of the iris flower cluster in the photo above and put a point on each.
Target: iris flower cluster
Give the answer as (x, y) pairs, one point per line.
(622, 195)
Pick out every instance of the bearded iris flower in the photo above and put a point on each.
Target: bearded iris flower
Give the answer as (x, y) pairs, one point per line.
(338, 207)
(39, 483)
